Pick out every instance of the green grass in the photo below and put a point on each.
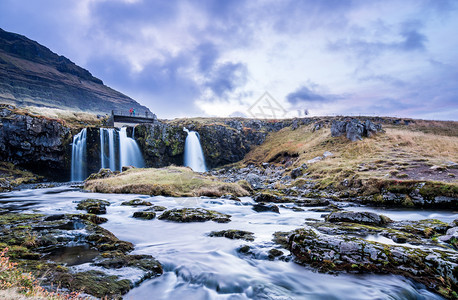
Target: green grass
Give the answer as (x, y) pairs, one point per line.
(169, 181)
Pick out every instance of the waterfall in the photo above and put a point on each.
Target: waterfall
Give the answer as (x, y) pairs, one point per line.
(107, 158)
(130, 154)
(193, 154)
(79, 156)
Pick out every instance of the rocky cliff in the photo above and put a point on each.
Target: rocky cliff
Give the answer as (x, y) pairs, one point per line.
(223, 141)
(32, 75)
(38, 144)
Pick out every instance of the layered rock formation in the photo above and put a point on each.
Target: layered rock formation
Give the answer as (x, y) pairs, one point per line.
(38, 144)
(31, 74)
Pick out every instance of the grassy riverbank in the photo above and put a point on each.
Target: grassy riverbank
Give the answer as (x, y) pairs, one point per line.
(169, 181)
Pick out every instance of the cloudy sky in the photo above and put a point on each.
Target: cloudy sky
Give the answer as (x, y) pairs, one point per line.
(217, 58)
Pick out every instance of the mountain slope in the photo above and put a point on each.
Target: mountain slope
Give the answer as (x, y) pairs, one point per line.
(32, 75)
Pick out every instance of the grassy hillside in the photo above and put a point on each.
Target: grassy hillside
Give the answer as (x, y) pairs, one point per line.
(402, 152)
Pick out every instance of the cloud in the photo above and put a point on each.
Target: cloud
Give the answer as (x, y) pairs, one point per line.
(226, 78)
(305, 94)
(182, 57)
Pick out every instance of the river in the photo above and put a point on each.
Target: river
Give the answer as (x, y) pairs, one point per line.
(197, 266)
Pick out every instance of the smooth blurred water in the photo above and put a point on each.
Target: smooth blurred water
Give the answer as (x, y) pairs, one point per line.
(130, 154)
(193, 154)
(79, 155)
(197, 266)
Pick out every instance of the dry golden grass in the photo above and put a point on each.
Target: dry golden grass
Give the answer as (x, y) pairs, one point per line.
(169, 181)
(15, 284)
(75, 119)
(397, 149)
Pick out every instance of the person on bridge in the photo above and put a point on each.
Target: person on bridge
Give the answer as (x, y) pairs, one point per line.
(146, 114)
(134, 112)
(131, 111)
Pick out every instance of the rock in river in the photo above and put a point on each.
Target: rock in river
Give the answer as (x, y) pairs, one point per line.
(194, 215)
(358, 217)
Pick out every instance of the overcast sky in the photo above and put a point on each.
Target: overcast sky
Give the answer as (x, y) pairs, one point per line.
(217, 58)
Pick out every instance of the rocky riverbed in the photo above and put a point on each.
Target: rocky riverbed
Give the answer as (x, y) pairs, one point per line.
(225, 247)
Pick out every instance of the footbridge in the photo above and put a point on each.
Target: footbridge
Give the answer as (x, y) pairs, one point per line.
(120, 118)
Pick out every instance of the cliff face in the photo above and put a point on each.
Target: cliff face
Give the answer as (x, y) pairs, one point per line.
(223, 142)
(38, 144)
(31, 74)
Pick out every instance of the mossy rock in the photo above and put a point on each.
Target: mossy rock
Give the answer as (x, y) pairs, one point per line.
(93, 206)
(95, 283)
(117, 260)
(137, 202)
(146, 215)
(233, 234)
(430, 190)
(194, 215)
(358, 217)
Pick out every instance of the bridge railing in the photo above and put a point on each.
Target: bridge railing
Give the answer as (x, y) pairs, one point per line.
(139, 114)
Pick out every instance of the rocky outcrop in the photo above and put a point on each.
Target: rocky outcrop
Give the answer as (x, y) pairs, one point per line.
(38, 144)
(354, 129)
(32, 75)
(358, 217)
(436, 268)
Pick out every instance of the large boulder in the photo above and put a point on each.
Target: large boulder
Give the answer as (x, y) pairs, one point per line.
(358, 217)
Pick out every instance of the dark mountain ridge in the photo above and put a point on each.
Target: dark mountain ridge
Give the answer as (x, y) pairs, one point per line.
(33, 75)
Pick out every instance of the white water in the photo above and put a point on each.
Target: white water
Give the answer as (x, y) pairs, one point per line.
(130, 154)
(108, 160)
(197, 266)
(193, 154)
(79, 156)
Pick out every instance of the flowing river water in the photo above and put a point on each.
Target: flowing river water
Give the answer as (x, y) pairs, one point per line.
(197, 266)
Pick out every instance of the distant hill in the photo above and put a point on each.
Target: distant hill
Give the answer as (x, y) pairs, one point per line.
(33, 75)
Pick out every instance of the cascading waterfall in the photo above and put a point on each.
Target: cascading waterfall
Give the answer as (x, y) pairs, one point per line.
(193, 154)
(79, 156)
(108, 159)
(130, 154)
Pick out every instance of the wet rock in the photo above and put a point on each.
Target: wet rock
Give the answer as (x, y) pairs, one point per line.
(93, 218)
(233, 234)
(434, 268)
(426, 228)
(146, 215)
(137, 202)
(306, 202)
(156, 208)
(451, 234)
(93, 206)
(143, 262)
(358, 217)
(95, 283)
(273, 253)
(231, 197)
(194, 215)
(269, 197)
(263, 207)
